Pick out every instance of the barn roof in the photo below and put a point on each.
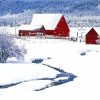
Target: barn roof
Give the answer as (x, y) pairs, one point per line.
(49, 21)
(94, 30)
(30, 27)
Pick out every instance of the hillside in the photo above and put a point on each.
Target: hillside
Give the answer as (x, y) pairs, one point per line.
(13, 11)
(79, 7)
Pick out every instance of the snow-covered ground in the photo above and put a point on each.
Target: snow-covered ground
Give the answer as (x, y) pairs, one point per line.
(74, 57)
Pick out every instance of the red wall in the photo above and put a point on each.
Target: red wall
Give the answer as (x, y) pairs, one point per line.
(29, 33)
(91, 37)
(61, 29)
(24, 33)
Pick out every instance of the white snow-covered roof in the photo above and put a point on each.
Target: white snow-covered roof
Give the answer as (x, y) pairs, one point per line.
(49, 21)
(30, 27)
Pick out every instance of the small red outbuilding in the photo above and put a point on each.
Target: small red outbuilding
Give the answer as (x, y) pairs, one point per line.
(48, 24)
(92, 36)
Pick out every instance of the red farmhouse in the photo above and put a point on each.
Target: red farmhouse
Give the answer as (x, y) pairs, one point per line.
(48, 24)
(92, 36)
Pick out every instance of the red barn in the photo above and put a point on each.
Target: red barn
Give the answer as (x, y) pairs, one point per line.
(92, 36)
(48, 24)
(28, 30)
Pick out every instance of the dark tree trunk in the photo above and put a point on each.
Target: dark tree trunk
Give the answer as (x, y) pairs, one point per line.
(3, 57)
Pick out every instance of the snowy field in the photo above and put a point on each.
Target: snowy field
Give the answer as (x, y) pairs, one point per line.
(73, 57)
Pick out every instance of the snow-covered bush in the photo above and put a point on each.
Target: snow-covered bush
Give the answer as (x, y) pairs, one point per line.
(8, 48)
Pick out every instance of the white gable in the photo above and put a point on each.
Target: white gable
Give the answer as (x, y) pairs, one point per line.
(49, 21)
